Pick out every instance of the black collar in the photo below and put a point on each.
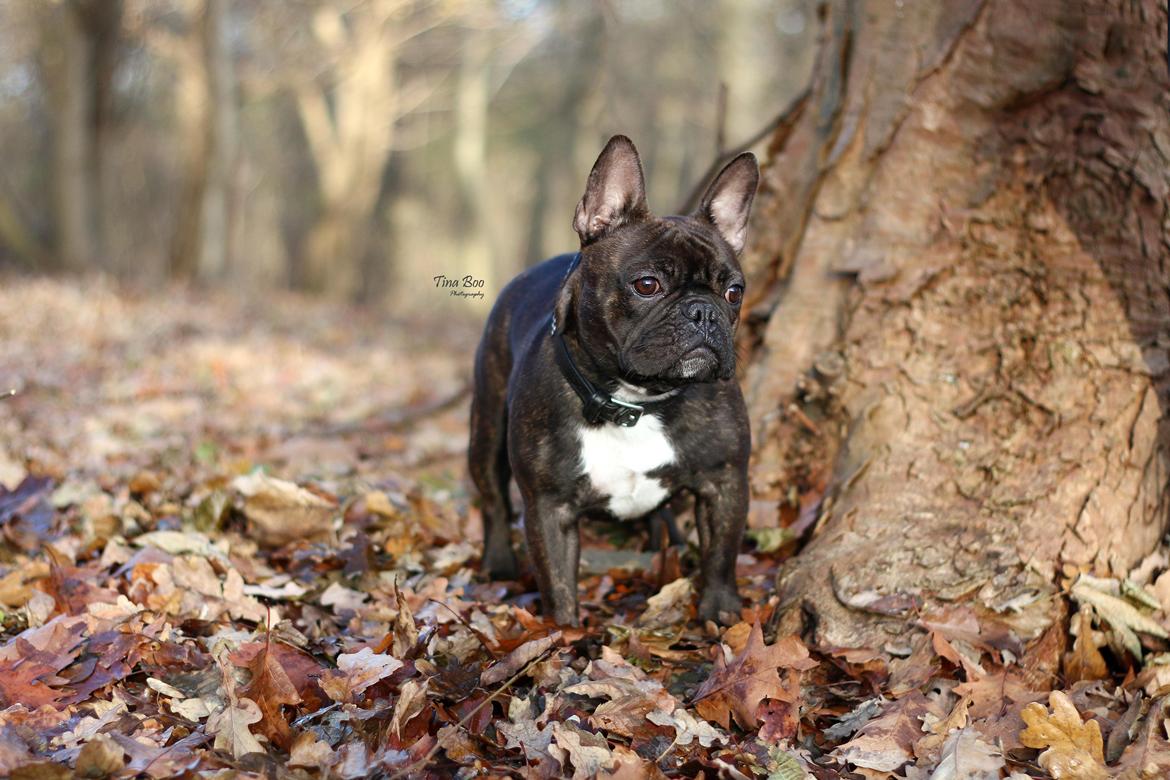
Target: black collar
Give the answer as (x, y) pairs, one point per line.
(599, 406)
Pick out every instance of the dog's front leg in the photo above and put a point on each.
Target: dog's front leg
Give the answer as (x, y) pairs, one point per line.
(554, 543)
(720, 512)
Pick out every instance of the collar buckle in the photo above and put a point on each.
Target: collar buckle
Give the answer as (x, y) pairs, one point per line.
(599, 408)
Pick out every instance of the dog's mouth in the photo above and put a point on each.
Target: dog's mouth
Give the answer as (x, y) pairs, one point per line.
(700, 362)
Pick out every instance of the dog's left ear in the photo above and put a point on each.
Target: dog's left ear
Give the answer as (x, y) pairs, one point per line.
(727, 203)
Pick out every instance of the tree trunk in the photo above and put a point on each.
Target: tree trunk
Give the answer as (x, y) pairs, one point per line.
(102, 23)
(567, 125)
(66, 62)
(350, 125)
(472, 95)
(961, 309)
(208, 114)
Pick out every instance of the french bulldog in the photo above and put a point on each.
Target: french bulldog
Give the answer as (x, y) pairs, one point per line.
(605, 382)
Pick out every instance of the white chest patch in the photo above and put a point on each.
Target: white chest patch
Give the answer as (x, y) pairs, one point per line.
(617, 459)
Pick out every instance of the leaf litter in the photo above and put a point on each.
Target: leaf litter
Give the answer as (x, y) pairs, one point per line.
(237, 541)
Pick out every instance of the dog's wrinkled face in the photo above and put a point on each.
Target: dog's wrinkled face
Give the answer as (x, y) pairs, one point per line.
(663, 300)
(656, 300)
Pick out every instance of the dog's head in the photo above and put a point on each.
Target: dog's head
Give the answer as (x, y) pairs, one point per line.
(656, 299)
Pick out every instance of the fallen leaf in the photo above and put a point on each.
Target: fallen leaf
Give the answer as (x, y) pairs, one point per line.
(739, 687)
(966, 757)
(100, 757)
(230, 725)
(195, 709)
(670, 606)
(523, 733)
(405, 630)
(1122, 616)
(279, 511)
(1084, 661)
(1124, 730)
(588, 753)
(687, 727)
(15, 590)
(14, 752)
(356, 672)
(516, 660)
(1072, 748)
(353, 761)
(849, 723)
(342, 599)
(165, 689)
(179, 543)
(628, 765)
(309, 751)
(886, 743)
(410, 703)
(271, 689)
(736, 637)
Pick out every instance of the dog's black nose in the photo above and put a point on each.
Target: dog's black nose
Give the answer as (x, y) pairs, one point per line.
(700, 311)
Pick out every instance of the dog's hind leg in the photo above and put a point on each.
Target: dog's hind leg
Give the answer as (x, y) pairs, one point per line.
(663, 527)
(489, 467)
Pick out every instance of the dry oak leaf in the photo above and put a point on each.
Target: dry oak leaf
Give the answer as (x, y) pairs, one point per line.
(1072, 748)
(271, 689)
(230, 725)
(1085, 661)
(738, 687)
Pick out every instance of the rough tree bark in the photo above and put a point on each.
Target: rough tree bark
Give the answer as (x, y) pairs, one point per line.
(961, 312)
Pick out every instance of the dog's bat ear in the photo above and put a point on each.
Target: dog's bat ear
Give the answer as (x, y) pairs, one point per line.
(615, 193)
(727, 203)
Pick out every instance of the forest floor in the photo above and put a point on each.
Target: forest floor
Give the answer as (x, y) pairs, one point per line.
(237, 541)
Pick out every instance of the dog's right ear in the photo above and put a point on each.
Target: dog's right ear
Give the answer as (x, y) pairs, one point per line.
(615, 193)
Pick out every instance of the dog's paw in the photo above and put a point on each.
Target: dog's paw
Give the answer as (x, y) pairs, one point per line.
(721, 604)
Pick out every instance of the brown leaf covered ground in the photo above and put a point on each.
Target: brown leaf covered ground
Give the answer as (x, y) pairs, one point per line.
(237, 542)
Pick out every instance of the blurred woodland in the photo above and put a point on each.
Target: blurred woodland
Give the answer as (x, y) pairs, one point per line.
(236, 537)
(355, 148)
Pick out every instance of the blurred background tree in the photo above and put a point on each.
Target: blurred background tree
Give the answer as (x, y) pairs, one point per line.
(355, 148)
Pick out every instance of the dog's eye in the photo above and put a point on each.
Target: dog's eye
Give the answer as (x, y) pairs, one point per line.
(647, 286)
(734, 294)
